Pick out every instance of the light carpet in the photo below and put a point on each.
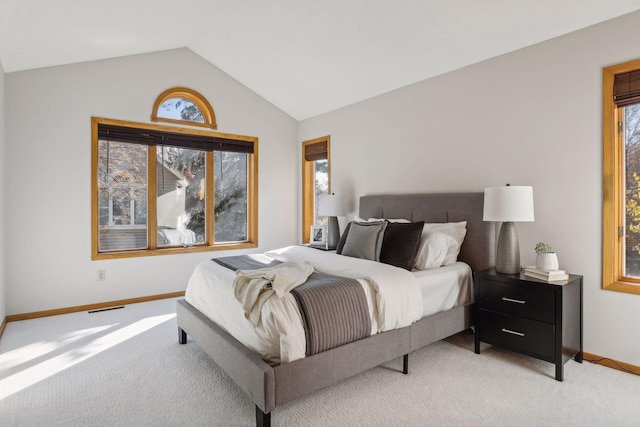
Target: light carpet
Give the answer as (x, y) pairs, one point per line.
(125, 368)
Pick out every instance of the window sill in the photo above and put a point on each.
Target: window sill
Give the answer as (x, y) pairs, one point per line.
(171, 251)
(620, 286)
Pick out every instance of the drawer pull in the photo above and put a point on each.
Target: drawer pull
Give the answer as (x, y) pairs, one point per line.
(509, 331)
(513, 300)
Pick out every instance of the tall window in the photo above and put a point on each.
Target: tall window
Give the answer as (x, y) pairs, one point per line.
(316, 169)
(159, 190)
(621, 183)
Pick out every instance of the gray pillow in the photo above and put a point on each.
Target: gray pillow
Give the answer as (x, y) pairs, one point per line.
(364, 240)
(343, 238)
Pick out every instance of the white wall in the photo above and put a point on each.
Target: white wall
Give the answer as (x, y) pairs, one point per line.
(532, 117)
(48, 192)
(3, 299)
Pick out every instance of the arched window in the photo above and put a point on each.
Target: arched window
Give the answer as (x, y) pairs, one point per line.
(184, 106)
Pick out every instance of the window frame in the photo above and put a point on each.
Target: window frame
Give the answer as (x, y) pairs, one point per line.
(153, 249)
(190, 95)
(613, 203)
(308, 186)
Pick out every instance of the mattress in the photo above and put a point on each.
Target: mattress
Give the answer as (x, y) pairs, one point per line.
(445, 287)
(282, 339)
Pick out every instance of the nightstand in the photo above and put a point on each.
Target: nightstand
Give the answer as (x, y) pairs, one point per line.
(320, 248)
(533, 317)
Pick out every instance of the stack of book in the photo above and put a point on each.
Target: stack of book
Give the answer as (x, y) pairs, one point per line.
(548, 275)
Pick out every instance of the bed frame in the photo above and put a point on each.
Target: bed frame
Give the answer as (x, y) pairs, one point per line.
(273, 386)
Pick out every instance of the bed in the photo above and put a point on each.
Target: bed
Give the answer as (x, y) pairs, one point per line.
(271, 385)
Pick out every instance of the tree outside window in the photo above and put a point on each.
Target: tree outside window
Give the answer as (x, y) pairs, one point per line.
(632, 189)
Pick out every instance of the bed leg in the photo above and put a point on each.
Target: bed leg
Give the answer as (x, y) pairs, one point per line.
(182, 336)
(405, 364)
(262, 419)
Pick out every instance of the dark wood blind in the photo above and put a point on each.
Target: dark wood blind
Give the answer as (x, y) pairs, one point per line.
(626, 88)
(174, 139)
(317, 151)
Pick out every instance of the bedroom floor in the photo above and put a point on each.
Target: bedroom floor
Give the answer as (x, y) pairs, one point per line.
(124, 367)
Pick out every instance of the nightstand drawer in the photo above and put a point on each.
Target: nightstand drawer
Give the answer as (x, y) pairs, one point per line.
(536, 303)
(518, 334)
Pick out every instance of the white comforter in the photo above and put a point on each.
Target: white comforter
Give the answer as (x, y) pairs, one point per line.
(394, 301)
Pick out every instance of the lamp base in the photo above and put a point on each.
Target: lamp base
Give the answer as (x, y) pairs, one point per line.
(508, 251)
(333, 232)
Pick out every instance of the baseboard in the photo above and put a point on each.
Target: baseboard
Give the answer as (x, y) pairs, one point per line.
(610, 363)
(2, 326)
(96, 306)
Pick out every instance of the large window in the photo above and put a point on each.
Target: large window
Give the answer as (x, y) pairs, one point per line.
(159, 190)
(621, 184)
(315, 181)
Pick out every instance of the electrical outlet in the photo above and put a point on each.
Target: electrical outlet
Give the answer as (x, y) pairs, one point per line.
(102, 275)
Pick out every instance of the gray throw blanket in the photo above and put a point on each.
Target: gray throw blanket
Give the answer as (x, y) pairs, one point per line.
(334, 309)
(244, 262)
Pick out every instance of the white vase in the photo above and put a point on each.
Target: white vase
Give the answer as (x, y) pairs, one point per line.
(547, 261)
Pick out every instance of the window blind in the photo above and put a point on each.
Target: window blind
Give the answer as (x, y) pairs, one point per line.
(317, 151)
(156, 137)
(626, 88)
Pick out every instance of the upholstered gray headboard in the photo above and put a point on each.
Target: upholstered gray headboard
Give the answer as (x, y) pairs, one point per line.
(478, 248)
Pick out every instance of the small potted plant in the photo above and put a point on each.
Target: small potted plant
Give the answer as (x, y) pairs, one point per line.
(546, 258)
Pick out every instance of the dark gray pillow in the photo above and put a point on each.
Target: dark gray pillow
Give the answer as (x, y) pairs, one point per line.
(364, 240)
(400, 244)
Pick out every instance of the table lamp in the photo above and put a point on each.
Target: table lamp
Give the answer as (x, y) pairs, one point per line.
(331, 206)
(508, 204)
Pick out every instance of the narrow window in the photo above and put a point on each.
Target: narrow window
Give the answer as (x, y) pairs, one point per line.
(316, 167)
(621, 180)
(158, 190)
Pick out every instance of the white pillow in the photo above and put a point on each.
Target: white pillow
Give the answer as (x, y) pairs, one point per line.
(433, 249)
(435, 243)
(358, 219)
(405, 221)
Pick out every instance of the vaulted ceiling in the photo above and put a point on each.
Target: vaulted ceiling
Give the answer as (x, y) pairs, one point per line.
(307, 57)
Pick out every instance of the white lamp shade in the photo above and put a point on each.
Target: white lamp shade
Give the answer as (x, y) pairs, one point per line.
(330, 205)
(508, 204)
